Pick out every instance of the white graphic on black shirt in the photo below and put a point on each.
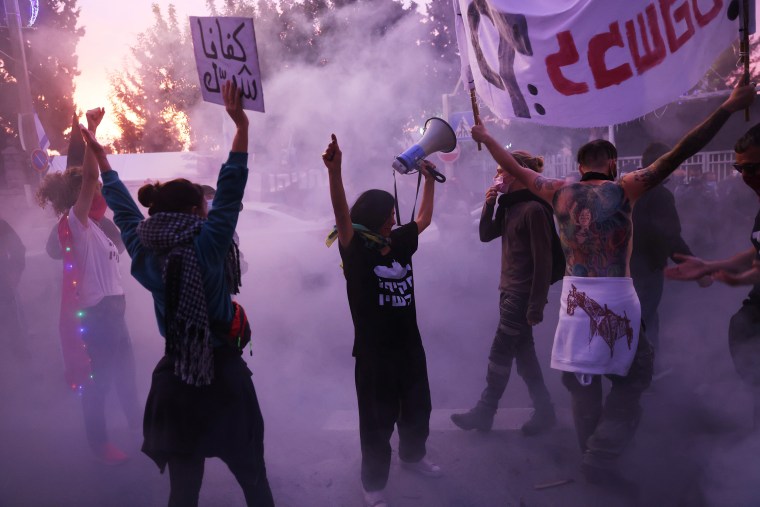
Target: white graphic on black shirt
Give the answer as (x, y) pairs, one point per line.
(394, 284)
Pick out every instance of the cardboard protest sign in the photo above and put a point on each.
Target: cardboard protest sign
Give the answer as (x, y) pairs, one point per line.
(588, 63)
(225, 49)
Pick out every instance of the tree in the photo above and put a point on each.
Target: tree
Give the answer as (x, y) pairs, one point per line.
(52, 64)
(307, 35)
(152, 99)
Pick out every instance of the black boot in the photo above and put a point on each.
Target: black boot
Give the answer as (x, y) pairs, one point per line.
(542, 420)
(479, 418)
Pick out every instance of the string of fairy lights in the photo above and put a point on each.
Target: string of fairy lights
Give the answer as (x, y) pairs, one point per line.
(71, 276)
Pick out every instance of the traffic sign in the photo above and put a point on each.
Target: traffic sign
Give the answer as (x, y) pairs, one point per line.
(40, 160)
(450, 157)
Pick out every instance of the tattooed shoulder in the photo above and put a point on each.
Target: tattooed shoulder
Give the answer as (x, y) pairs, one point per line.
(549, 184)
(652, 175)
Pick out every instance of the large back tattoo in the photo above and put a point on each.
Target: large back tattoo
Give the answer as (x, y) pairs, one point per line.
(595, 228)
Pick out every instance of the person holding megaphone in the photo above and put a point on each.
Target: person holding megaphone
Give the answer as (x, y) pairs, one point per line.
(391, 373)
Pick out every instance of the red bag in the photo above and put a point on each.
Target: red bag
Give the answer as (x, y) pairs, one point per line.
(239, 334)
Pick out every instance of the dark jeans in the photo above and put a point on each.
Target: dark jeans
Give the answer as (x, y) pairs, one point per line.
(649, 285)
(186, 476)
(744, 343)
(604, 430)
(392, 389)
(112, 363)
(513, 342)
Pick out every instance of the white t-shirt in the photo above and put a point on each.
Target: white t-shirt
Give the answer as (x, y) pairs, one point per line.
(97, 261)
(599, 324)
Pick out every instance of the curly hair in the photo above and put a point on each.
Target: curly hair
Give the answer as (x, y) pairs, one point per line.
(60, 189)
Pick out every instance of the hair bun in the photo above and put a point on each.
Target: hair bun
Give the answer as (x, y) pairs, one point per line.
(147, 194)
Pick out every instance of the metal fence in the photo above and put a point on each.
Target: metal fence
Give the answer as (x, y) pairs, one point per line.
(718, 162)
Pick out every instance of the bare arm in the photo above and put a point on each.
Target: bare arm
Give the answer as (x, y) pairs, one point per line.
(542, 187)
(333, 158)
(89, 171)
(233, 103)
(638, 182)
(749, 277)
(694, 268)
(425, 213)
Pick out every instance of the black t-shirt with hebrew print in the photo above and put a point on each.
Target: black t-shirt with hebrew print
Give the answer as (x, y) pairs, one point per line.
(381, 293)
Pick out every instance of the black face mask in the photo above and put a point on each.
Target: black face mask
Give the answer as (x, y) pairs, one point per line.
(591, 175)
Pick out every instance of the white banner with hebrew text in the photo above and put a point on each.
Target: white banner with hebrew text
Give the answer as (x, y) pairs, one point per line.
(589, 63)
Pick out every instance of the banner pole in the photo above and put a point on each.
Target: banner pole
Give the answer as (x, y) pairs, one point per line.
(744, 47)
(475, 110)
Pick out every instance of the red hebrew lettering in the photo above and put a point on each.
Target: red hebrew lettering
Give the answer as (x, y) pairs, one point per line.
(567, 55)
(682, 13)
(703, 19)
(651, 56)
(597, 47)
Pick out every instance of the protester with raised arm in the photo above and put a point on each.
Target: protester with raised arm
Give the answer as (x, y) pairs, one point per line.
(391, 372)
(599, 331)
(526, 228)
(741, 269)
(202, 402)
(93, 296)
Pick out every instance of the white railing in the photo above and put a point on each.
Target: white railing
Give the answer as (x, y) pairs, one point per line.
(718, 162)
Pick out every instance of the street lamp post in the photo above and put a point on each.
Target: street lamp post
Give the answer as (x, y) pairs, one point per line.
(27, 129)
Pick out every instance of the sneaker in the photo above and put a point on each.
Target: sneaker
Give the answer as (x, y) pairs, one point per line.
(475, 419)
(374, 498)
(540, 422)
(109, 454)
(423, 467)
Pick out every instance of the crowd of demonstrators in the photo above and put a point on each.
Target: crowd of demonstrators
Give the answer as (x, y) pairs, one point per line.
(202, 402)
(742, 268)
(531, 259)
(614, 239)
(391, 376)
(92, 302)
(599, 331)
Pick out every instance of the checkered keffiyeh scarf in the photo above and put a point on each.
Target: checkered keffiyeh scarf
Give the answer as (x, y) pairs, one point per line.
(188, 336)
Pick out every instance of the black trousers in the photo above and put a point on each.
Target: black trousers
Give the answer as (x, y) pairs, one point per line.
(649, 286)
(605, 429)
(744, 343)
(392, 389)
(186, 476)
(513, 342)
(113, 364)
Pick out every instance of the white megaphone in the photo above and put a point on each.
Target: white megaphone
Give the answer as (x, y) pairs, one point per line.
(437, 136)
